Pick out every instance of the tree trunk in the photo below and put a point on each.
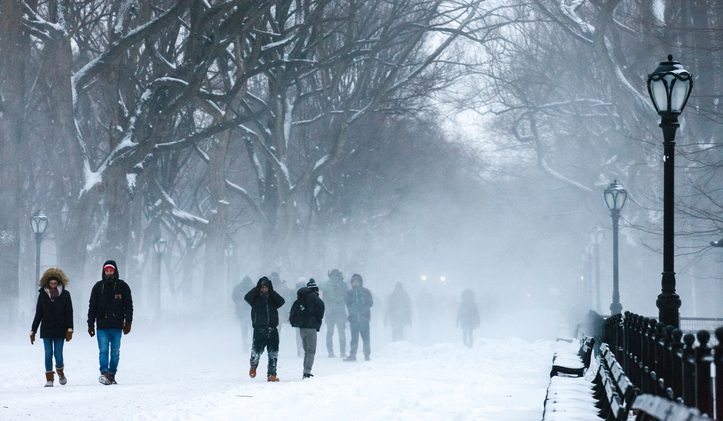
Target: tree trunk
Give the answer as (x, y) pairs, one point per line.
(13, 45)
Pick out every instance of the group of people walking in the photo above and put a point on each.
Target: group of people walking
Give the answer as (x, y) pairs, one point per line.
(110, 314)
(306, 313)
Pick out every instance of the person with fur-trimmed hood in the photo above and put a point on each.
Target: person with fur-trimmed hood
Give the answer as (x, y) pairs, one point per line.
(265, 303)
(359, 303)
(54, 315)
(111, 309)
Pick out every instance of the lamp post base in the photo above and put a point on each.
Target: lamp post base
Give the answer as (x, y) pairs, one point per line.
(616, 308)
(668, 302)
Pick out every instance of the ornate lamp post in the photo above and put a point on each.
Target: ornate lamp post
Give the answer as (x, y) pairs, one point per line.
(229, 251)
(615, 196)
(159, 247)
(596, 237)
(669, 87)
(38, 223)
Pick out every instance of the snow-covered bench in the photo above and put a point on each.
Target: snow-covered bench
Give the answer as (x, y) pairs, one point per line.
(619, 392)
(574, 388)
(650, 408)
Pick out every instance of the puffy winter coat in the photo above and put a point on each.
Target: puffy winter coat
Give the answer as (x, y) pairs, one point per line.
(334, 293)
(264, 307)
(54, 316)
(111, 303)
(315, 313)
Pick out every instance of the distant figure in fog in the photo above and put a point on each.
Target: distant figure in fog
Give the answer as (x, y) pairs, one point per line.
(468, 317)
(242, 313)
(359, 303)
(265, 303)
(399, 312)
(54, 315)
(334, 294)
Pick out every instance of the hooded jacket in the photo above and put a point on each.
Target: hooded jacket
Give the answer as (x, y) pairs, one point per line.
(264, 307)
(111, 303)
(54, 316)
(359, 302)
(310, 298)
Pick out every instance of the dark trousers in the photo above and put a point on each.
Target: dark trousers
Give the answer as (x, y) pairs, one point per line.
(359, 329)
(265, 338)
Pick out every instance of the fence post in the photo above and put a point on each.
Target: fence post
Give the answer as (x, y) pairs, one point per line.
(688, 370)
(676, 365)
(704, 382)
(719, 374)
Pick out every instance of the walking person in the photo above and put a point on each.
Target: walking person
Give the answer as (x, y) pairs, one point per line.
(399, 312)
(359, 303)
(307, 313)
(468, 317)
(54, 315)
(265, 303)
(242, 314)
(334, 294)
(110, 309)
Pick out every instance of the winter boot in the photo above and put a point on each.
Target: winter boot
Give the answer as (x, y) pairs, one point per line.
(104, 379)
(111, 377)
(252, 372)
(61, 376)
(307, 376)
(350, 358)
(49, 379)
(272, 378)
(366, 358)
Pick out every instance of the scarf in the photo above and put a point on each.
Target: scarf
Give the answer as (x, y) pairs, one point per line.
(54, 293)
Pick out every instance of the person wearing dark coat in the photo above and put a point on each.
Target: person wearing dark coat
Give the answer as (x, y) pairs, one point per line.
(468, 317)
(359, 303)
(110, 308)
(308, 297)
(54, 315)
(265, 303)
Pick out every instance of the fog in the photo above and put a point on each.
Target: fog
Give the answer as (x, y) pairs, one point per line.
(442, 152)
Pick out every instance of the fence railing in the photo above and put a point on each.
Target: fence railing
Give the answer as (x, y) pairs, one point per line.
(664, 361)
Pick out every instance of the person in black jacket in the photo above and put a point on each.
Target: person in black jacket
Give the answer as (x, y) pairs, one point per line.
(111, 309)
(54, 315)
(312, 313)
(265, 303)
(359, 303)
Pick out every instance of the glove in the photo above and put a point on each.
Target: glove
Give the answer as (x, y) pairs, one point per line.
(32, 338)
(91, 331)
(68, 335)
(126, 328)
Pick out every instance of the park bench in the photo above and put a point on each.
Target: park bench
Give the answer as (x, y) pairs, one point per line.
(574, 387)
(651, 407)
(619, 392)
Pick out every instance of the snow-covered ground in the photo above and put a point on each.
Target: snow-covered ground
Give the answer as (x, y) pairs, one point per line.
(200, 373)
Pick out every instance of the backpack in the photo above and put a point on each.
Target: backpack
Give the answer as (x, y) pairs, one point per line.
(298, 313)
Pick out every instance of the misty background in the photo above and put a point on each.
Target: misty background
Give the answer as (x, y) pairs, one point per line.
(465, 142)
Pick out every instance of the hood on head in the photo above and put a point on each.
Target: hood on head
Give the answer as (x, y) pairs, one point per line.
(53, 273)
(303, 292)
(265, 281)
(115, 276)
(358, 278)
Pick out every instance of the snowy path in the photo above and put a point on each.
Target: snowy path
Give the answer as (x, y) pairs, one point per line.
(200, 376)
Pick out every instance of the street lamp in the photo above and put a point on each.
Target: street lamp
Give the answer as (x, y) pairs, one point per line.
(669, 87)
(615, 196)
(596, 237)
(159, 247)
(38, 223)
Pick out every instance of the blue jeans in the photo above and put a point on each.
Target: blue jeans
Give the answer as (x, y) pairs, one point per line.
(53, 346)
(109, 338)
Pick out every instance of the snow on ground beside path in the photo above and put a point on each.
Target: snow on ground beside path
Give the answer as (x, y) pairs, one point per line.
(203, 376)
